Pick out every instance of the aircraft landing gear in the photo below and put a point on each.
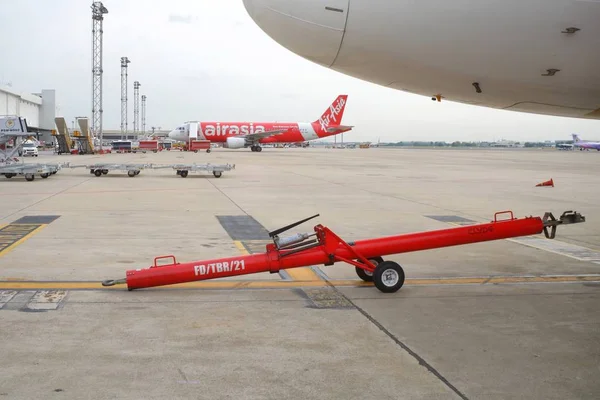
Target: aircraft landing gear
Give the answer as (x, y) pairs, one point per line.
(256, 148)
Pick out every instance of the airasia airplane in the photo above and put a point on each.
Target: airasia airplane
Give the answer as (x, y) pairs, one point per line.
(237, 135)
(537, 56)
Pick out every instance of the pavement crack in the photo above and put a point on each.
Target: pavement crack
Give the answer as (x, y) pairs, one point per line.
(44, 199)
(182, 374)
(420, 359)
(229, 198)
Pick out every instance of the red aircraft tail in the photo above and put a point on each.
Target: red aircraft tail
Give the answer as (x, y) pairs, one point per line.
(334, 113)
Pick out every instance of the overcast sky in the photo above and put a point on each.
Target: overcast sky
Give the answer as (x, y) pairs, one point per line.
(207, 60)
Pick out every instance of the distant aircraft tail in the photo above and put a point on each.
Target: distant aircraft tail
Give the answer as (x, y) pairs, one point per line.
(576, 138)
(332, 116)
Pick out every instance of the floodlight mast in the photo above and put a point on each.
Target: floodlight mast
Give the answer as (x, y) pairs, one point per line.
(143, 114)
(136, 108)
(124, 62)
(98, 11)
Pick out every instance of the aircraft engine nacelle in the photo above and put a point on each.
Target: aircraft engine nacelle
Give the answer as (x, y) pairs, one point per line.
(235, 143)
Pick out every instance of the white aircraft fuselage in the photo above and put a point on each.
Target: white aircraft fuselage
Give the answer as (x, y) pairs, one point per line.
(538, 56)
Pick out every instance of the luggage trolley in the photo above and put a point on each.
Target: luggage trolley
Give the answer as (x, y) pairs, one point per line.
(102, 169)
(183, 169)
(29, 170)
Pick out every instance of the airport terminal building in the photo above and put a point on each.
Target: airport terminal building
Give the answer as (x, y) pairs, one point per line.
(39, 109)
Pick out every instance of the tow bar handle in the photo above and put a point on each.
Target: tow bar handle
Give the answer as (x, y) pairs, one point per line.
(568, 217)
(290, 226)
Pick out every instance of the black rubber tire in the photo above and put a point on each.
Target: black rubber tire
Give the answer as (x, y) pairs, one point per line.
(131, 173)
(98, 172)
(208, 150)
(386, 271)
(364, 275)
(258, 148)
(44, 176)
(29, 177)
(217, 174)
(184, 173)
(104, 171)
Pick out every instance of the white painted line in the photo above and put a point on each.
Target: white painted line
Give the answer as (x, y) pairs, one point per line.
(6, 296)
(564, 249)
(46, 300)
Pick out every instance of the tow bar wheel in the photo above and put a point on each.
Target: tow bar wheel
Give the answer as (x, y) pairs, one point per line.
(366, 275)
(388, 276)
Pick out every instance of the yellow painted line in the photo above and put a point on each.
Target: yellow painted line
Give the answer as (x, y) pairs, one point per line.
(22, 239)
(65, 285)
(303, 274)
(240, 247)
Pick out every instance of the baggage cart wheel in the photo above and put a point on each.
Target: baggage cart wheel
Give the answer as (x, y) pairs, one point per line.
(98, 172)
(137, 172)
(44, 176)
(29, 177)
(208, 150)
(131, 173)
(184, 173)
(8, 176)
(104, 171)
(388, 277)
(178, 172)
(91, 171)
(366, 275)
(217, 174)
(195, 151)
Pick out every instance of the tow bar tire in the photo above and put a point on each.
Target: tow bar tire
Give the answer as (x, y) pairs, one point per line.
(217, 174)
(366, 275)
(388, 277)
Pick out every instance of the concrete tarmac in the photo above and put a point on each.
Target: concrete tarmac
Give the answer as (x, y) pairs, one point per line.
(507, 319)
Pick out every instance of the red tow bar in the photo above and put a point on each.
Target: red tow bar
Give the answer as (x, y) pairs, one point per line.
(324, 247)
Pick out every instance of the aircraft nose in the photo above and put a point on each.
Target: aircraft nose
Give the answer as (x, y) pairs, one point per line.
(312, 29)
(173, 134)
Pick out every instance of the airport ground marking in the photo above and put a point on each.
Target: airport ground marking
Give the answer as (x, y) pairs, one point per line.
(13, 235)
(268, 284)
